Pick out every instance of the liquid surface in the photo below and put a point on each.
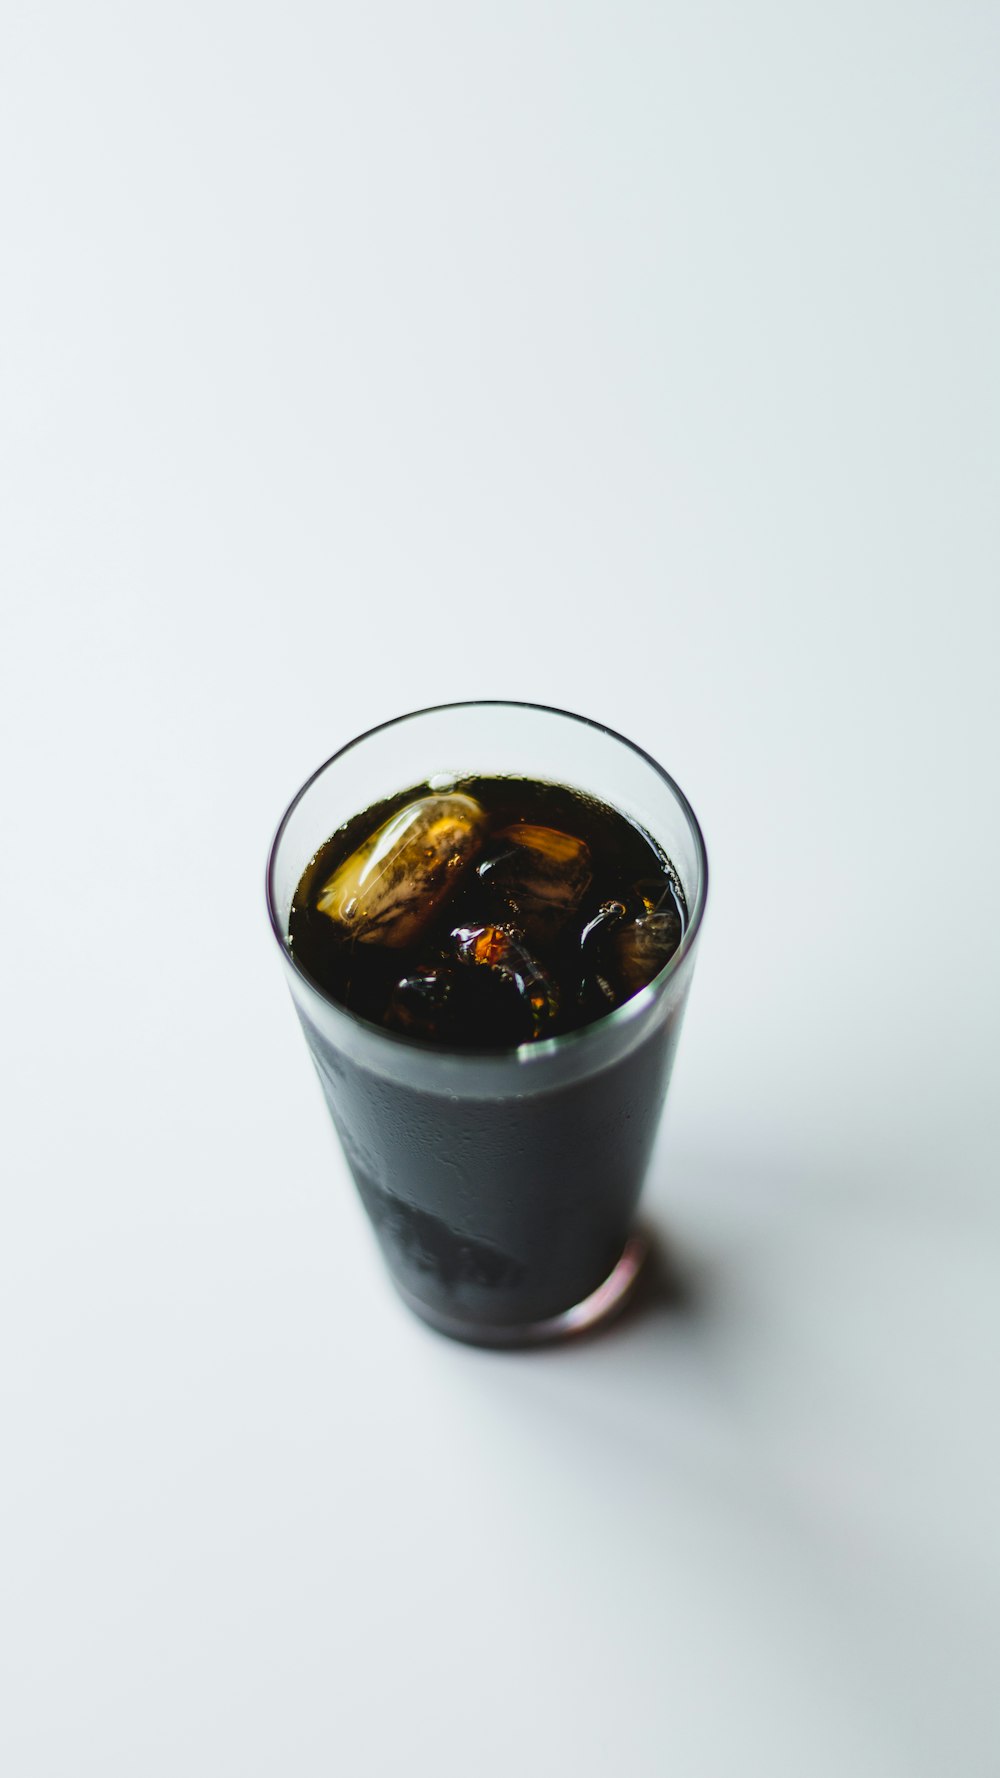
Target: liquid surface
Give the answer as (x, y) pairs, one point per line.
(495, 912)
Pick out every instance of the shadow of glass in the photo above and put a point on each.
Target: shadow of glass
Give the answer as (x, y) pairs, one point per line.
(672, 1282)
(673, 1287)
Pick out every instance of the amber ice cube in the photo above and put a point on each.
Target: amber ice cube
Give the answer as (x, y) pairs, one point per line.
(389, 889)
(642, 947)
(501, 952)
(540, 874)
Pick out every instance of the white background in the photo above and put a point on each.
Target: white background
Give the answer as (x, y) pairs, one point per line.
(636, 358)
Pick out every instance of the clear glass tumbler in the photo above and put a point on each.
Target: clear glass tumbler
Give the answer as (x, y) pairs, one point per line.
(502, 1185)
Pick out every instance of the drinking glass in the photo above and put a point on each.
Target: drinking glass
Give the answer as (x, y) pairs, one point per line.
(502, 1185)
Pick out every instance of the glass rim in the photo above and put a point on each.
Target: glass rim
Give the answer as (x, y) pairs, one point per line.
(527, 1052)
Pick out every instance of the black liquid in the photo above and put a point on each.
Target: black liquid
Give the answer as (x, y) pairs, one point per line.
(495, 966)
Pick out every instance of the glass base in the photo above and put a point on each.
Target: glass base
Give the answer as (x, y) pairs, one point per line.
(601, 1306)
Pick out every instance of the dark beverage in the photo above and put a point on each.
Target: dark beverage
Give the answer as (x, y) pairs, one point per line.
(491, 915)
(487, 914)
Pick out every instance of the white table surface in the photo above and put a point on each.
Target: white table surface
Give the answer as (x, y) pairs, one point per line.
(641, 360)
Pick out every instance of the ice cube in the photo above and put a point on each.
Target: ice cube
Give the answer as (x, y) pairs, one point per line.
(443, 1001)
(540, 874)
(598, 992)
(655, 894)
(642, 947)
(627, 943)
(500, 951)
(388, 890)
(421, 1004)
